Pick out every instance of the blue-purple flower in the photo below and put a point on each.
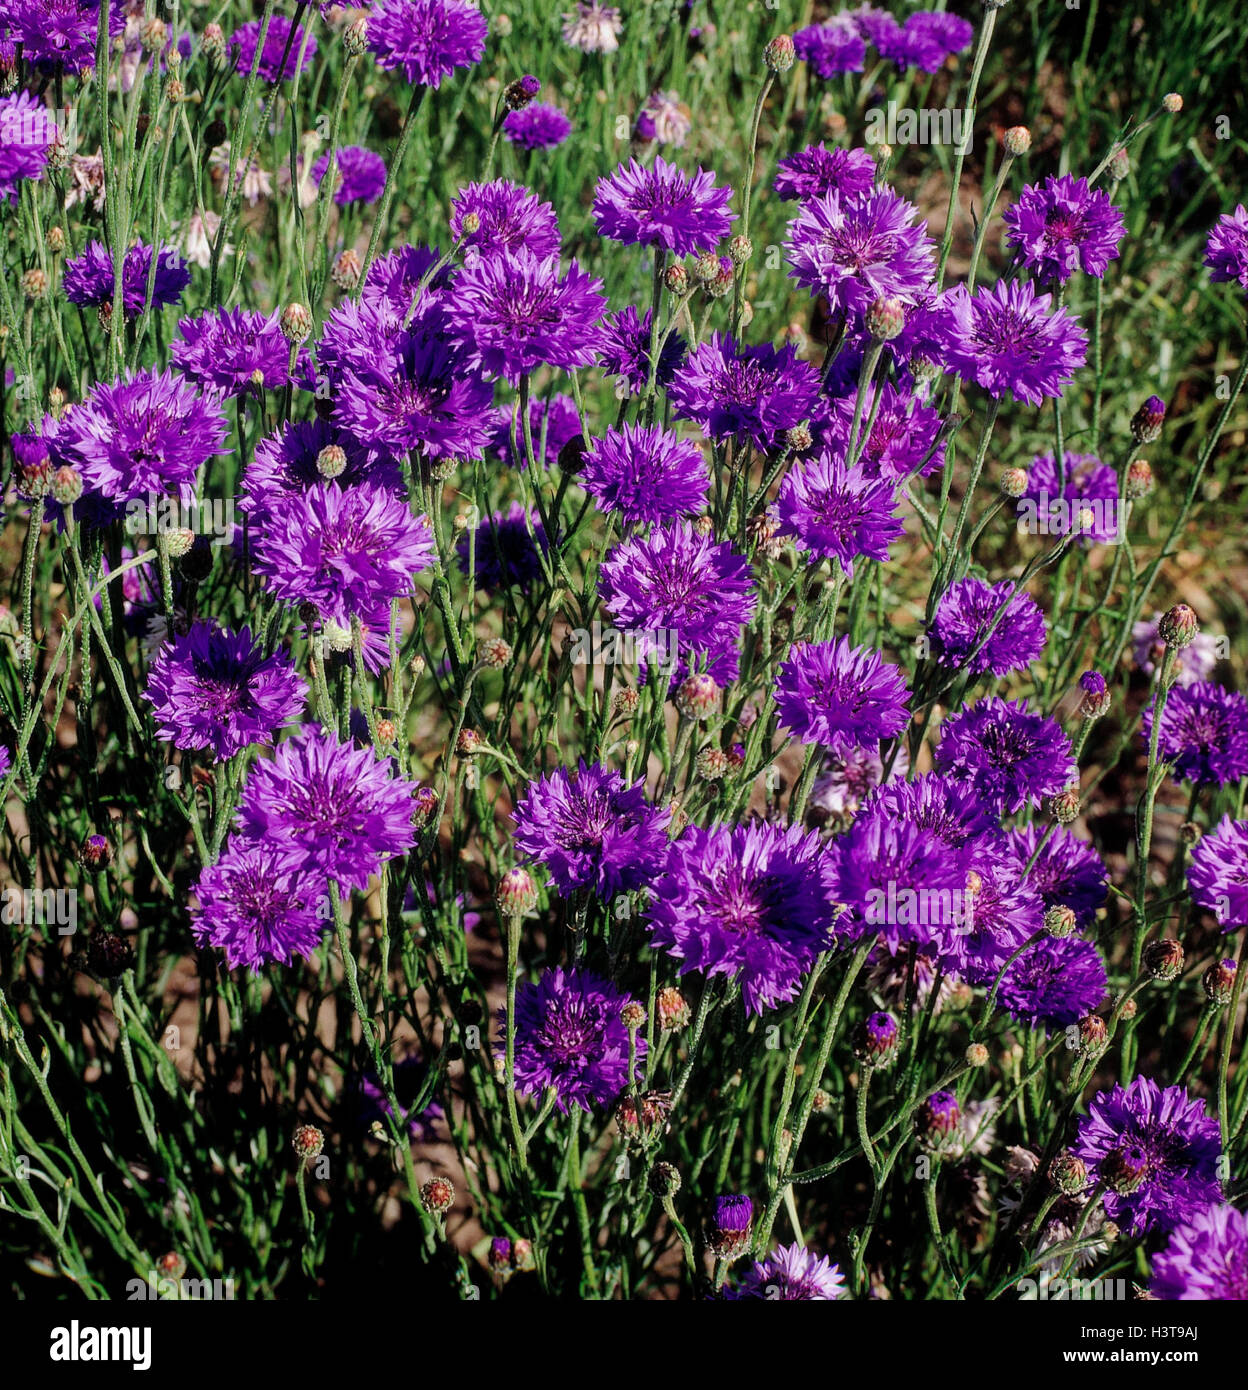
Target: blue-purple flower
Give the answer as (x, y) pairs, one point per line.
(1204, 733)
(1206, 1258)
(235, 350)
(817, 171)
(1226, 253)
(1062, 226)
(663, 207)
(835, 512)
(624, 350)
(645, 474)
(1067, 871)
(538, 126)
(509, 218)
(961, 625)
(426, 40)
(1054, 983)
(27, 131)
(360, 175)
(831, 48)
(838, 696)
(1217, 877)
(89, 280)
(1011, 755)
(282, 41)
(506, 553)
(791, 1274)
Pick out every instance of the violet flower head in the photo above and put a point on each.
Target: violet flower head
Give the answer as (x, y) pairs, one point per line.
(856, 250)
(997, 915)
(949, 809)
(1226, 253)
(664, 207)
(1054, 983)
(1087, 503)
(831, 48)
(258, 908)
(1158, 1151)
(88, 278)
(553, 422)
(963, 618)
(645, 474)
(509, 218)
(569, 1037)
(1011, 755)
(27, 132)
(817, 171)
(234, 350)
(1062, 226)
(624, 351)
(791, 1273)
(288, 462)
(747, 902)
(216, 690)
(1068, 872)
(59, 35)
(1204, 733)
(839, 696)
(1206, 1258)
(539, 126)
(898, 434)
(329, 807)
(360, 176)
(591, 831)
(505, 554)
(835, 512)
(1217, 876)
(754, 392)
(1008, 339)
(426, 40)
(282, 40)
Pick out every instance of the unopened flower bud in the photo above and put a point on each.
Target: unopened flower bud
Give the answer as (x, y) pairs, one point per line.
(437, 1195)
(1060, 920)
(1096, 698)
(938, 1117)
(633, 1016)
(471, 224)
(976, 1055)
(672, 1010)
(1064, 807)
(729, 1232)
(331, 462)
(355, 37)
(1119, 165)
(1189, 833)
(212, 43)
(875, 1039)
(424, 806)
(34, 283)
(1219, 982)
(706, 267)
(308, 1141)
(178, 541)
(1164, 959)
(1172, 102)
(1140, 480)
(1093, 1034)
(1178, 627)
(153, 34)
(468, 743)
(516, 893)
(175, 90)
(665, 1180)
(55, 239)
(296, 323)
(1014, 482)
(499, 1256)
(1017, 141)
(676, 279)
(697, 696)
(95, 853)
(1130, 1009)
(1146, 423)
(1068, 1173)
(347, 268)
(66, 485)
(518, 94)
(109, 954)
(780, 53)
(740, 249)
(712, 764)
(886, 318)
(387, 731)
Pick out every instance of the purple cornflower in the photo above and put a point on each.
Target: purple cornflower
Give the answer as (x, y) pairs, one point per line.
(624, 350)
(1068, 872)
(663, 207)
(1206, 1258)
(950, 31)
(258, 908)
(1217, 877)
(665, 119)
(408, 1082)
(59, 34)
(1158, 1151)
(950, 810)
(856, 250)
(1054, 983)
(391, 285)
(794, 1274)
(745, 901)
(1226, 253)
(831, 48)
(673, 580)
(282, 39)
(1196, 661)
(591, 831)
(348, 551)
(537, 127)
(327, 806)
(515, 312)
(27, 130)
(645, 474)
(505, 555)
(835, 512)
(553, 422)
(510, 218)
(361, 175)
(838, 696)
(141, 434)
(912, 46)
(963, 616)
(998, 916)
(1087, 504)
(89, 278)
(6, 761)
(1006, 339)
(1010, 755)
(817, 171)
(215, 689)
(728, 1231)
(900, 432)
(593, 28)
(426, 39)
(1061, 226)
(569, 1038)
(287, 463)
(234, 350)
(1204, 733)
(754, 392)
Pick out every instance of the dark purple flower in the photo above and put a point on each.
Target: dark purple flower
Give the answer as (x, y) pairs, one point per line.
(361, 175)
(950, 810)
(426, 39)
(258, 907)
(817, 171)
(505, 555)
(59, 34)
(897, 435)
(1006, 340)
(856, 250)
(838, 696)
(999, 915)
(663, 207)
(287, 463)
(392, 284)
(234, 350)
(327, 806)
(963, 616)
(791, 1273)
(282, 38)
(146, 433)
(912, 46)
(553, 422)
(515, 312)
(835, 512)
(591, 831)
(1167, 1144)
(537, 127)
(1217, 877)
(624, 350)
(754, 392)
(1068, 872)
(1206, 1259)
(27, 130)
(1054, 983)
(569, 1038)
(831, 48)
(1010, 755)
(1062, 226)
(748, 902)
(1226, 254)
(728, 1233)
(1088, 502)
(645, 474)
(953, 33)
(347, 551)
(215, 689)
(1204, 733)
(510, 218)
(89, 279)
